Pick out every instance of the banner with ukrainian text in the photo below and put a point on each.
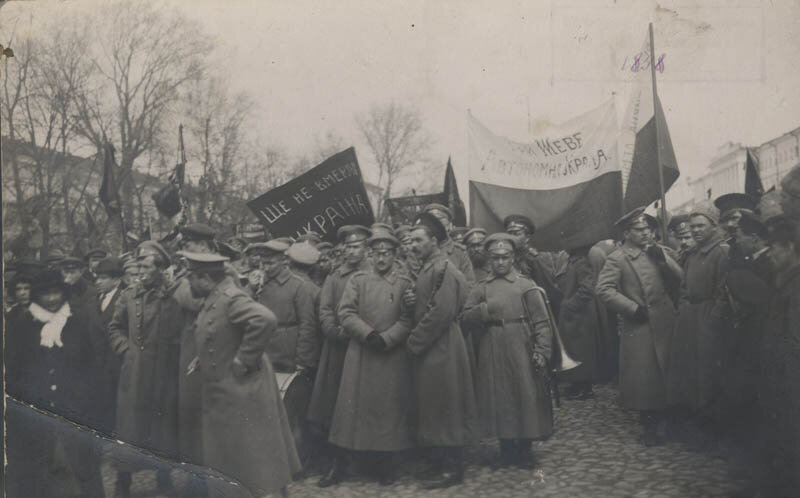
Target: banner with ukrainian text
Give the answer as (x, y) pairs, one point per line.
(566, 179)
(324, 198)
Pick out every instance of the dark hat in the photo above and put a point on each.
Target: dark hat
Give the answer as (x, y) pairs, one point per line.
(19, 278)
(729, 203)
(634, 216)
(270, 246)
(517, 220)
(438, 207)
(29, 266)
(751, 224)
(47, 279)
(459, 231)
(204, 260)
(197, 231)
(782, 229)
(97, 251)
(54, 257)
(430, 221)
(679, 223)
(382, 226)
(303, 253)
(110, 266)
(472, 232)
(652, 222)
(311, 236)
(71, 262)
(500, 243)
(353, 233)
(227, 250)
(382, 239)
(151, 247)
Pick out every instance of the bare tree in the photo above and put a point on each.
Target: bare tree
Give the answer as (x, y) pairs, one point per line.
(396, 139)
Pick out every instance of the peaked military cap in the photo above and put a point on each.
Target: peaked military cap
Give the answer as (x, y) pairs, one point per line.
(324, 246)
(382, 226)
(311, 237)
(629, 219)
(303, 253)
(204, 260)
(152, 248)
(353, 233)
(514, 220)
(439, 207)
(729, 203)
(500, 243)
(197, 231)
(275, 245)
(54, 257)
(382, 239)
(227, 250)
(473, 232)
(97, 251)
(430, 221)
(71, 262)
(679, 223)
(109, 266)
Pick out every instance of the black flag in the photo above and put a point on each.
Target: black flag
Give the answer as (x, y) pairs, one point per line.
(454, 201)
(109, 192)
(752, 180)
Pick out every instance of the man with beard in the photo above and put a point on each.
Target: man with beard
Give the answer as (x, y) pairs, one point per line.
(245, 428)
(145, 334)
(334, 346)
(631, 285)
(372, 411)
(455, 251)
(474, 239)
(679, 228)
(442, 387)
(514, 402)
(696, 354)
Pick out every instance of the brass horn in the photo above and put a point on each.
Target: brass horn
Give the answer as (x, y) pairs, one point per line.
(564, 361)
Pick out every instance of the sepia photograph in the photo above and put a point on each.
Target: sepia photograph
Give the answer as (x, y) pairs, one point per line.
(421, 248)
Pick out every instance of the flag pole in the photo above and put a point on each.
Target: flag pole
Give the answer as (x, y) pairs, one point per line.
(658, 145)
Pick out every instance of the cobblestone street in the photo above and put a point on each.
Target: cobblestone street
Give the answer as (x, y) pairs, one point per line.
(596, 452)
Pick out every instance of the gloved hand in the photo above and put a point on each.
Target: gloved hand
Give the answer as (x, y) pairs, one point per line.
(640, 315)
(375, 341)
(656, 253)
(239, 368)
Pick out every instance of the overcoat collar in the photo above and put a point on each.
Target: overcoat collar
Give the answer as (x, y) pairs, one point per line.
(221, 287)
(283, 276)
(631, 250)
(511, 276)
(436, 256)
(710, 244)
(345, 269)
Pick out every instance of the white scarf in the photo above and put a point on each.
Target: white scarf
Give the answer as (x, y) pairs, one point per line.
(53, 323)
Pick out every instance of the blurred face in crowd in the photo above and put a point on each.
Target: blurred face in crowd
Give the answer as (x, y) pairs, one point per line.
(442, 216)
(324, 262)
(201, 246)
(131, 275)
(685, 239)
(782, 255)
(702, 228)
(273, 263)
(405, 245)
(105, 282)
(71, 274)
(200, 284)
(501, 263)
(149, 273)
(51, 299)
(93, 262)
(475, 249)
(355, 252)
(383, 257)
(749, 243)
(639, 234)
(422, 244)
(731, 223)
(22, 293)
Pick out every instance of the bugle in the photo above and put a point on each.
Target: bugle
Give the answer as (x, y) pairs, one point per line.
(564, 361)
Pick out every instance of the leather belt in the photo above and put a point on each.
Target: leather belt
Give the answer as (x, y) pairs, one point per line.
(508, 321)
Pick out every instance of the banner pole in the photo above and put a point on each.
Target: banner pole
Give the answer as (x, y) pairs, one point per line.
(658, 143)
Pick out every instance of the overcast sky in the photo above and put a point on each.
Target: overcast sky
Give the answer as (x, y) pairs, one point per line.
(731, 69)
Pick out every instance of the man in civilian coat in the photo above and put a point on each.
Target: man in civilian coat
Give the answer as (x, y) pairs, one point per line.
(334, 346)
(144, 333)
(631, 284)
(246, 432)
(443, 396)
(456, 252)
(514, 402)
(372, 409)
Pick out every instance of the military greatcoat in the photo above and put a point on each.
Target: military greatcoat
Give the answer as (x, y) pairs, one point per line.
(513, 399)
(372, 408)
(443, 394)
(457, 254)
(697, 349)
(334, 345)
(246, 431)
(145, 333)
(630, 278)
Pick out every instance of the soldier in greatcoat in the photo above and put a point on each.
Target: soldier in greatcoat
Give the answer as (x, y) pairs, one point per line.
(455, 251)
(334, 346)
(695, 360)
(246, 432)
(372, 411)
(679, 229)
(145, 334)
(631, 285)
(514, 402)
(443, 395)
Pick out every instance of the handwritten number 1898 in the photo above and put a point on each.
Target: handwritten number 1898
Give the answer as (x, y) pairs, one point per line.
(641, 62)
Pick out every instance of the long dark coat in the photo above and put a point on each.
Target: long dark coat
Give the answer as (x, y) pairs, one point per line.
(697, 349)
(334, 346)
(513, 398)
(145, 333)
(190, 402)
(443, 391)
(372, 408)
(246, 430)
(580, 321)
(457, 254)
(629, 279)
(107, 363)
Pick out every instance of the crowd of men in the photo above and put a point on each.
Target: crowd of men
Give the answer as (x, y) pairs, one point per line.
(259, 359)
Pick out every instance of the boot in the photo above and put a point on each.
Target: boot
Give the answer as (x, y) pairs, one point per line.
(336, 474)
(122, 488)
(385, 468)
(453, 470)
(507, 454)
(524, 455)
(430, 464)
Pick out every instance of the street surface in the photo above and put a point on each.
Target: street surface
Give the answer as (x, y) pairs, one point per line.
(595, 452)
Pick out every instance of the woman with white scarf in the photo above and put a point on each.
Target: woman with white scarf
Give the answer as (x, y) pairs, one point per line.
(51, 366)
